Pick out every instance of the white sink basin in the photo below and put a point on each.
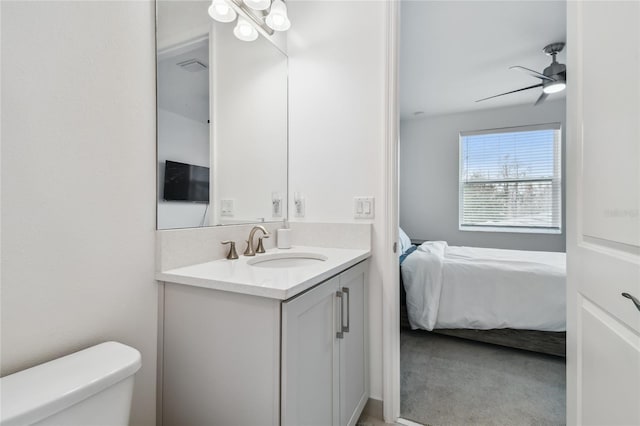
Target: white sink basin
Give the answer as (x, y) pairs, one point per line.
(287, 260)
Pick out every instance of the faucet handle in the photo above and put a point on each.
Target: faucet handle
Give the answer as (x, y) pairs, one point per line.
(233, 254)
(260, 248)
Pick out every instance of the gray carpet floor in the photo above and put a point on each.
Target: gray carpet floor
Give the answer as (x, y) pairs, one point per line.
(451, 381)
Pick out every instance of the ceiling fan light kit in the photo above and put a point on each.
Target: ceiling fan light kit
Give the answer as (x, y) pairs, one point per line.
(553, 77)
(555, 87)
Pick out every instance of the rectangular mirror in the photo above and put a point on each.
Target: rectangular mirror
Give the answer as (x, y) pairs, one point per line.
(221, 122)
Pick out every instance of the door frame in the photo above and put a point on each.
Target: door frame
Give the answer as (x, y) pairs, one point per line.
(572, 126)
(391, 283)
(390, 280)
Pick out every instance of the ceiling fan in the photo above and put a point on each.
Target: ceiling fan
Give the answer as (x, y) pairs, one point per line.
(554, 77)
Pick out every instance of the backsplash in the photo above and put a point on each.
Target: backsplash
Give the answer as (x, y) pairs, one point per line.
(181, 247)
(336, 235)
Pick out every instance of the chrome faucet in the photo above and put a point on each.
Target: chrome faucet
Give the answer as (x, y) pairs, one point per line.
(250, 250)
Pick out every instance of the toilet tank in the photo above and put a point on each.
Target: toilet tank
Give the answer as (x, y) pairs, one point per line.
(90, 387)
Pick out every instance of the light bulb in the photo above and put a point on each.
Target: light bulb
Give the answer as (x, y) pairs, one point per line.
(221, 11)
(277, 18)
(245, 31)
(258, 4)
(554, 87)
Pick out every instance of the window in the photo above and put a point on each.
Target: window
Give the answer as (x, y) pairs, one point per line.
(510, 180)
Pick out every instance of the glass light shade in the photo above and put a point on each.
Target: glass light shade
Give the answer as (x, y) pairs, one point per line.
(277, 18)
(245, 31)
(258, 4)
(555, 87)
(221, 11)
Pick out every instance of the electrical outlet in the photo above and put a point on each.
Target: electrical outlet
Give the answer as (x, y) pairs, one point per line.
(226, 207)
(277, 208)
(364, 207)
(299, 207)
(276, 204)
(298, 204)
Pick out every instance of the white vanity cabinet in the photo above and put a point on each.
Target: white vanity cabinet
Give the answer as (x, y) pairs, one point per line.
(325, 352)
(237, 359)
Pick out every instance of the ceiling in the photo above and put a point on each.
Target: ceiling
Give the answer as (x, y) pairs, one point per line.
(455, 52)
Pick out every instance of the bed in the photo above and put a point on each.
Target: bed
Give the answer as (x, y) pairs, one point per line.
(509, 297)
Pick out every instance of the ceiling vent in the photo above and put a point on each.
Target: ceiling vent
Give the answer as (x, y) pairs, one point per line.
(192, 65)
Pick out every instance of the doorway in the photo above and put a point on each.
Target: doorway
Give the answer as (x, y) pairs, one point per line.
(464, 52)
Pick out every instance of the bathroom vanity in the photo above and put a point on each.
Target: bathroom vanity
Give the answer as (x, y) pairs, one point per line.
(279, 338)
(255, 342)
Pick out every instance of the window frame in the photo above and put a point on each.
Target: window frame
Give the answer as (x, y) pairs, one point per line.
(556, 126)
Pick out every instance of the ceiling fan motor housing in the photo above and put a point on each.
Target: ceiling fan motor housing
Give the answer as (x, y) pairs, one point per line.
(556, 71)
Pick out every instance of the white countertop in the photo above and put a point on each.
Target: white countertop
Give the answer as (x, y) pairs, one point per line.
(278, 283)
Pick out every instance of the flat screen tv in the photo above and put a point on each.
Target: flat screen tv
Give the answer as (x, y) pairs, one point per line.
(186, 182)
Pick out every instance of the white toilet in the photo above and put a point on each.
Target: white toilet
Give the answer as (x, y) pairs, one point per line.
(90, 387)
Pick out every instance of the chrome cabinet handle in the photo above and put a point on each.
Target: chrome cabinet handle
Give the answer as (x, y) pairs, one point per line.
(633, 299)
(345, 290)
(339, 333)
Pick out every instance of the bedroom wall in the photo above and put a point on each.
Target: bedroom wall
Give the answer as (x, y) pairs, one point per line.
(187, 141)
(183, 129)
(429, 176)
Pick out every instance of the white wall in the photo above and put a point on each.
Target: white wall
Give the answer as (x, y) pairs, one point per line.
(183, 128)
(186, 141)
(249, 110)
(337, 66)
(180, 21)
(78, 184)
(429, 175)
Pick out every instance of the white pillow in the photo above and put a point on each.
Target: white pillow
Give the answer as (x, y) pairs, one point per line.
(405, 241)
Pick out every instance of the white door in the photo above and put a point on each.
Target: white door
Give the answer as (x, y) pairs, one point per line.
(310, 357)
(603, 229)
(354, 346)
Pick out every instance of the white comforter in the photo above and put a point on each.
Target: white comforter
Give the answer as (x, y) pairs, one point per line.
(480, 288)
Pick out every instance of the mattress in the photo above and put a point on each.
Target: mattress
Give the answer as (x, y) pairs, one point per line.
(481, 288)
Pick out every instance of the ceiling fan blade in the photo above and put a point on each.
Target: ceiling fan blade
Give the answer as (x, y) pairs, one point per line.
(513, 91)
(532, 73)
(541, 99)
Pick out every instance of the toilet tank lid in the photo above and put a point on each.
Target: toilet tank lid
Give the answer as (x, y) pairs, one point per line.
(38, 392)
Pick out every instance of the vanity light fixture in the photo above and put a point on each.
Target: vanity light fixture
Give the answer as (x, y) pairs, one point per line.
(258, 4)
(265, 16)
(245, 31)
(277, 18)
(221, 11)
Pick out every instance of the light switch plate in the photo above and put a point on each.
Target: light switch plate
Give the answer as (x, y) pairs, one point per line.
(226, 207)
(364, 207)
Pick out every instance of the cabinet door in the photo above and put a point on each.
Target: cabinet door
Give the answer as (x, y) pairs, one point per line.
(221, 353)
(310, 392)
(354, 347)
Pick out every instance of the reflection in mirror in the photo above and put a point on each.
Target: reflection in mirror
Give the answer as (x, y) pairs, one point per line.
(222, 122)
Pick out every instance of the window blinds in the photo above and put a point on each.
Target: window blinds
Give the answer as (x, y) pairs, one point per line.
(510, 179)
